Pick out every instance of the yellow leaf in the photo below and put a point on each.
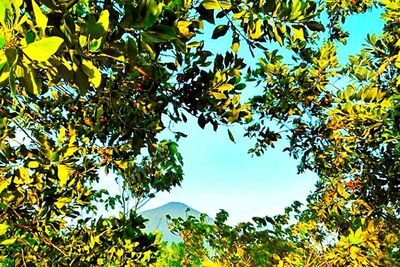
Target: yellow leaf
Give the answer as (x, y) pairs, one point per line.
(61, 202)
(122, 164)
(43, 49)
(211, 4)
(83, 40)
(209, 263)
(40, 18)
(4, 75)
(236, 73)
(24, 175)
(225, 87)
(3, 185)
(235, 47)
(256, 31)
(88, 122)
(70, 151)
(218, 95)
(92, 72)
(239, 14)
(371, 226)
(104, 19)
(354, 252)
(298, 34)
(33, 164)
(119, 58)
(383, 67)
(61, 135)
(183, 28)
(277, 35)
(341, 191)
(8, 242)
(63, 174)
(120, 253)
(54, 94)
(225, 5)
(3, 229)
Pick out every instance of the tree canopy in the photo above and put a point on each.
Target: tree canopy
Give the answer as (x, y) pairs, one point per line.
(88, 85)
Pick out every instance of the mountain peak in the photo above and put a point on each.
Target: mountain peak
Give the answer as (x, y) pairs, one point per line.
(176, 205)
(157, 218)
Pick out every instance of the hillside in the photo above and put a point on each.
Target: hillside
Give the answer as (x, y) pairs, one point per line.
(157, 218)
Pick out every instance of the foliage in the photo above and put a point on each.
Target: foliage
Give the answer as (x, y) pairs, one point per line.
(88, 85)
(175, 255)
(346, 132)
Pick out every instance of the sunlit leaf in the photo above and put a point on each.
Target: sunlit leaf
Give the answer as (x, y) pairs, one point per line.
(225, 87)
(218, 95)
(63, 174)
(211, 4)
(33, 164)
(24, 175)
(41, 19)
(43, 49)
(8, 242)
(3, 228)
(92, 72)
(61, 202)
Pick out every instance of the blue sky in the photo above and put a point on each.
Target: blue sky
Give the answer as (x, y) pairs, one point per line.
(221, 175)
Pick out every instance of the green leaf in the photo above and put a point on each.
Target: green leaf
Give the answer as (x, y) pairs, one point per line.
(32, 86)
(219, 31)
(30, 37)
(5, 7)
(43, 49)
(97, 29)
(162, 33)
(315, 26)
(2, 42)
(206, 14)
(95, 45)
(132, 50)
(231, 137)
(202, 121)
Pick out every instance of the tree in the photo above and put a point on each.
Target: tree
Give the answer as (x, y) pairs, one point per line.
(85, 85)
(347, 134)
(86, 88)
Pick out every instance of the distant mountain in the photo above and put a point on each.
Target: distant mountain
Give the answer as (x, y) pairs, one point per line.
(157, 218)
